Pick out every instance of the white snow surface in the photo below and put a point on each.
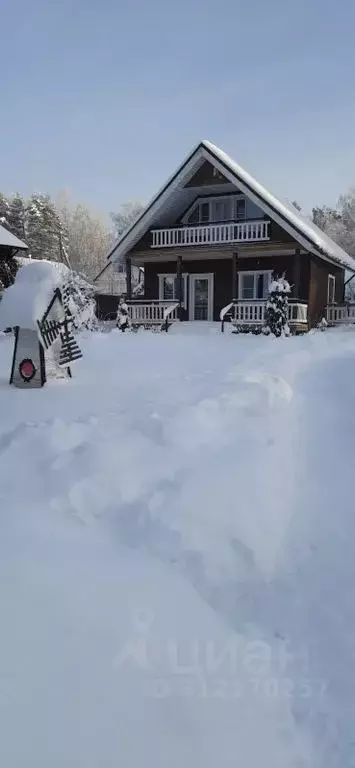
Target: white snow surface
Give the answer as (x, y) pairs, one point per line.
(25, 302)
(176, 554)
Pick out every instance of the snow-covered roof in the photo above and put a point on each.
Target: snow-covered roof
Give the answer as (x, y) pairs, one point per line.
(10, 240)
(292, 221)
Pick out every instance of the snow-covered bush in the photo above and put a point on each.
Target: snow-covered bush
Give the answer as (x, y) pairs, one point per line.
(29, 291)
(80, 301)
(276, 313)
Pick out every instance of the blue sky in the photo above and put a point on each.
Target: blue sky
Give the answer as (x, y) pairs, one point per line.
(104, 98)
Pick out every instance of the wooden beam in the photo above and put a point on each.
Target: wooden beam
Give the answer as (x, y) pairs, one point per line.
(297, 274)
(235, 277)
(129, 277)
(179, 284)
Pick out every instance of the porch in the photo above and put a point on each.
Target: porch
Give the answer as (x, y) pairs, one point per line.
(199, 288)
(246, 315)
(340, 314)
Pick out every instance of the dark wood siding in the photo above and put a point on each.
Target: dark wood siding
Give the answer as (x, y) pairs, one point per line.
(206, 176)
(106, 306)
(318, 287)
(222, 270)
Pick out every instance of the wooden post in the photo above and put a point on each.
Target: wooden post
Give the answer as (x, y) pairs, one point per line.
(297, 274)
(128, 277)
(179, 285)
(235, 277)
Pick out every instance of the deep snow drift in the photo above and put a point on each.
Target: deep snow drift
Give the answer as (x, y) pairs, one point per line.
(176, 550)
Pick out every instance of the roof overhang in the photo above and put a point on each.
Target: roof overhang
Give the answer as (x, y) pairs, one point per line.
(310, 237)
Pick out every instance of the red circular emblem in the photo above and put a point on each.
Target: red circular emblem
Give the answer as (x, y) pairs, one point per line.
(27, 369)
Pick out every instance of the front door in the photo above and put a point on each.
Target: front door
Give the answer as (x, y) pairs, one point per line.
(201, 297)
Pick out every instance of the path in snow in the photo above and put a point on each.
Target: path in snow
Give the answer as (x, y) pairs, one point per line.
(214, 455)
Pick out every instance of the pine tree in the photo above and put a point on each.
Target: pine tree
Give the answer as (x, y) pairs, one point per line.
(4, 210)
(276, 313)
(8, 269)
(16, 216)
(42, 228)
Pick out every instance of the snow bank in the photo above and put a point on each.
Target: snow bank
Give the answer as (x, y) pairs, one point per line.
(24, 302)
(176, 569)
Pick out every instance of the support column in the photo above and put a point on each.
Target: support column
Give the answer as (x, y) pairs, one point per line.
(297, 274)
(179, 285)
(235, 277)
(128, 277)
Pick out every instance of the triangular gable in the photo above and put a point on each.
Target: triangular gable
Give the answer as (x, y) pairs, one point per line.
(297, 226)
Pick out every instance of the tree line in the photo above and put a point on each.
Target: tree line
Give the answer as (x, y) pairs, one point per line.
(64, 231)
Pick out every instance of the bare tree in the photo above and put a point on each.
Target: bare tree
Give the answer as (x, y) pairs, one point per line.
(127, 214)
(88, 237)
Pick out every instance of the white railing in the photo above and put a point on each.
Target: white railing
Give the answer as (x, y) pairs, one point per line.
(211, 234)
(152, 312)
(252, 313)
(340, 313)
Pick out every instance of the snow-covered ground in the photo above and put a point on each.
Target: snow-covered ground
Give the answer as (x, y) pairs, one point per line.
(176, 554)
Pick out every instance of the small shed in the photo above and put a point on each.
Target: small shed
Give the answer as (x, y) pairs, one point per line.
(10, 246)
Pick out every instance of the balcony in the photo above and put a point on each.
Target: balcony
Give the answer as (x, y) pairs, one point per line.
(249, 315)
(212, 234)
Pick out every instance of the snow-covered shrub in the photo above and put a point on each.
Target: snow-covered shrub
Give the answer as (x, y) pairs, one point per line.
(122, 321)
(80, 301)
(322, 325)
(77, 292)
(8, 269)
(276, 312)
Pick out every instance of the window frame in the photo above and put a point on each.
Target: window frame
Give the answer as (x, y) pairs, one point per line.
(162, 276)
(255, 273)
(331, 280)
(231, 199)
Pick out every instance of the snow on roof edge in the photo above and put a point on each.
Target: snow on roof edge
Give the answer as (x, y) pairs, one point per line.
(10, 240)
(322, 242)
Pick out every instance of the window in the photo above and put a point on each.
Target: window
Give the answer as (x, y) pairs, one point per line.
(222, 209)
(216, 209)
(204, 213)
(254, 285)
(331, 289)
(240, 209)
(168, 288)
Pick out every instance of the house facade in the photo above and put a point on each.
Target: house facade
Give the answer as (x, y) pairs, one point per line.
(214, 237)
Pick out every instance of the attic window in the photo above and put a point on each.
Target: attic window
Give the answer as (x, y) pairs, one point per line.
(217, 209)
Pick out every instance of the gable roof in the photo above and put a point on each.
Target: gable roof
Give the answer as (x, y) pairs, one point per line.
(292, 221)
(10, 240)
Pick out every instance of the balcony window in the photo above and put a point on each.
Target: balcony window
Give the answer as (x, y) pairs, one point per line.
(254, 285)
(217, 209)
(240, 209)
(168, 288)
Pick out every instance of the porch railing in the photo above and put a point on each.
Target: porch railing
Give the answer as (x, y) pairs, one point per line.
(338, 314)
(154, 312)
(252, 313)
(211, 234)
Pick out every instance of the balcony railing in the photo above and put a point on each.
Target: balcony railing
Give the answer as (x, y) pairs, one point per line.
(340, 314)
(252, 313)
(212, 234)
